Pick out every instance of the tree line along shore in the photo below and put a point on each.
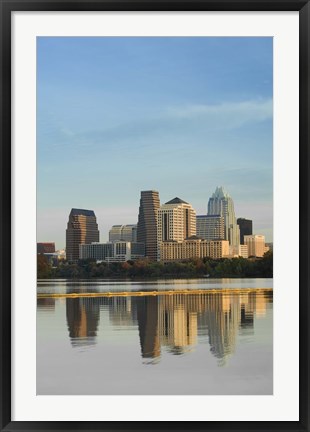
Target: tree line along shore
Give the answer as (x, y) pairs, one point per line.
(193, 268)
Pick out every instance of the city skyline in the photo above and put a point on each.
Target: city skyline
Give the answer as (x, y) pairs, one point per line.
(131, 231)
(105, 236)
(179, 115)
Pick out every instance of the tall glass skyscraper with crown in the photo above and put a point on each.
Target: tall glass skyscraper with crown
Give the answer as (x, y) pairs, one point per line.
(222, 204)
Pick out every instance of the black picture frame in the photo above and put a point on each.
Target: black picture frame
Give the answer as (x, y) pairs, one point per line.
(9, 6)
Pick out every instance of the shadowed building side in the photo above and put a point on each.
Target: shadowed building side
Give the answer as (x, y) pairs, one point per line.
(147, 223)
(46, 247)
(246, 228)
(210, 227)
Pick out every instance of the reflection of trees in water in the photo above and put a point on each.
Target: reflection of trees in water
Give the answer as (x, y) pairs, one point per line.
(82, 320)
(174, 321)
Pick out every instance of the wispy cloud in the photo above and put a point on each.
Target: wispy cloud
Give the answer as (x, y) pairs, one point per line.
(178, 121)
(235, 114)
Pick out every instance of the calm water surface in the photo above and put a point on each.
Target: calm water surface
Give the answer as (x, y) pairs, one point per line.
(172, 341)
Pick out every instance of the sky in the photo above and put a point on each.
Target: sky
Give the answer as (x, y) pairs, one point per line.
(180, 115)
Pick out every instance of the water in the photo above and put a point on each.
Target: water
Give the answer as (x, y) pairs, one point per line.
(173, 337)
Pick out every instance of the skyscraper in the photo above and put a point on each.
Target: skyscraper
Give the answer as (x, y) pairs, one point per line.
(147, 222)
(246, 228)
(222, 204)
(176, 221)
(82, 228)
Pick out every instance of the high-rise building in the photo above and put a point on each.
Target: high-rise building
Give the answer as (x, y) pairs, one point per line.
(147, 222)
(210, 227)
(123, 232)
(256, 245)
(222, 204)
(246, 228)
(176, 221)
(82, 228)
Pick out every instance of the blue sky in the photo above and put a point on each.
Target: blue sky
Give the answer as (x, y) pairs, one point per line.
(179, 115)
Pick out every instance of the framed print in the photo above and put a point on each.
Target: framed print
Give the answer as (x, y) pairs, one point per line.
(154, 206)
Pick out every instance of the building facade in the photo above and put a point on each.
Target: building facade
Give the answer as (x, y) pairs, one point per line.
(46, 247)
(210, 227)
(176, 221)
(193, 248)
(123, 232)
(127, 251)
(96, 251)
(222, 204)
(82, 228)
(147, 222)
(256, 245)
(243, 251)
(246, 228)
(117, 251)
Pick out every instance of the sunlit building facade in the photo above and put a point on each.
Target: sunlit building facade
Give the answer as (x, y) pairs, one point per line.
(193, 248)
(256, 245)
(176, 221)
(244, 251)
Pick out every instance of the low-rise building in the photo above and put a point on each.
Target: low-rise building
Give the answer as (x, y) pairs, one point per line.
(45, 247)
(126, 233)
(243, 251)
(193, 247)
(125, 251)
(117, 251)
(256, 245)
(96, 251)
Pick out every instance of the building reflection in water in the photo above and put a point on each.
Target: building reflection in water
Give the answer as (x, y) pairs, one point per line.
(82, 320)
(173, 321)
(178, 322)
(147, 317)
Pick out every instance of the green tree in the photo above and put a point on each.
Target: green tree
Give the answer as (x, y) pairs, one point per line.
(44, 270)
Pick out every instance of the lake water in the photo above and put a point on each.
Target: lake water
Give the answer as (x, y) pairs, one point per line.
(165, 337)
